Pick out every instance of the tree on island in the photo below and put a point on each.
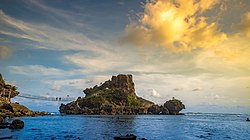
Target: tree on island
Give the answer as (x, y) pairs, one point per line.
(6, 90)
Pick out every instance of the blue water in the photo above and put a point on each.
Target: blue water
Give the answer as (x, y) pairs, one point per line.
(152, 127)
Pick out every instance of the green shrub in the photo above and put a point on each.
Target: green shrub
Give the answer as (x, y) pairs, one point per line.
(132, 101)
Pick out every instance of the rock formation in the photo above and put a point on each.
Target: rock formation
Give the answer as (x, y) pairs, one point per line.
(115, 96)
(7, 90)
(16, 124)
(10, 110)
(174, 106)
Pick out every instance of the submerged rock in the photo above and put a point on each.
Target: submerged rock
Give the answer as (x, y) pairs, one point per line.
(16, 124)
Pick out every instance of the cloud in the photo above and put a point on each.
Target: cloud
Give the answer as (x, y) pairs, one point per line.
(197, 89)
(244, 25)
(47, 37)
(177, 25)
(230, 58)
(5, 52)
(137, 35)
(39, 70)
(150, 93)
(97, 62)
(75, 85)
(210, 87)
(178, 89)
(60, 85)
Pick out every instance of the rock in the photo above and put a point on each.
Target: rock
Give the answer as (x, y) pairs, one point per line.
(116, 97)
(126, 137)
(156, 109)
(16, 110)
(123, 83)
(164, 111)
(8, 109)
(16, 124)
(1, 120)
(6, 89)
(174, 106)
(6, 106)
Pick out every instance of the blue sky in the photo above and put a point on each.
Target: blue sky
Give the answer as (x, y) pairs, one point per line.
(195, 51)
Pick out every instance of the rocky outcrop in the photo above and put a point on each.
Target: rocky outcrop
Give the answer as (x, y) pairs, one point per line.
(174, 106)
(156, 109)
(124, 83)
(16, 124)
(7, 90)
(10, 110)
(115, 96)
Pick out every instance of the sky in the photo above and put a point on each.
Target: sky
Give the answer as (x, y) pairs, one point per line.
(197, 51)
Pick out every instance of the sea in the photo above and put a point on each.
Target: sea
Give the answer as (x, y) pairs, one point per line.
(191, 126)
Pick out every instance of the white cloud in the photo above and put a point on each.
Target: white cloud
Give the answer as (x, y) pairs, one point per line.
(48, 37)
(211, 87)
(74, 87)
(97, 63)
(150, 94)
(39, 70)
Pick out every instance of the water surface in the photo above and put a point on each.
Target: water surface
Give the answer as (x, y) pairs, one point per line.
(190, 126)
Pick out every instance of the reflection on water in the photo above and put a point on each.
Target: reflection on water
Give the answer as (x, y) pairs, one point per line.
(195, 126)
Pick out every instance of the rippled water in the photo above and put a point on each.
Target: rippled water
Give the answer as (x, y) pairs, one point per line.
(190, 126)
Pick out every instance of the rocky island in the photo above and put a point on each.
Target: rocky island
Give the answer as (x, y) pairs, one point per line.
(9, 109)
(118, 97)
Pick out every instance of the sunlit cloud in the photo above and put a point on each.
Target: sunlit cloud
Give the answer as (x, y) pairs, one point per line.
(177, 25)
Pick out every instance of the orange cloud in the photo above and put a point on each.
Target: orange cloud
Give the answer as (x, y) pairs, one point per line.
(177, 25)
